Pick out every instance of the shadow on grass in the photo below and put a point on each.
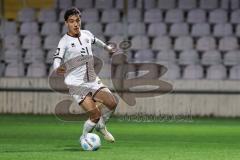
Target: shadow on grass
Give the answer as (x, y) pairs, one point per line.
(68, 148)
(78, 148)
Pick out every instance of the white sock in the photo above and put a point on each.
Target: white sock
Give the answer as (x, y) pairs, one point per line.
(88, 126)
(106, 114)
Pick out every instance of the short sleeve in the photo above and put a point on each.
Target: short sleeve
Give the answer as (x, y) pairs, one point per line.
(60, 49)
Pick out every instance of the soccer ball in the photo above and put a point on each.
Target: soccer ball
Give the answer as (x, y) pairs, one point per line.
(91, 142)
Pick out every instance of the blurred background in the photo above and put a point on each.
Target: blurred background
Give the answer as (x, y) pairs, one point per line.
(197, 41)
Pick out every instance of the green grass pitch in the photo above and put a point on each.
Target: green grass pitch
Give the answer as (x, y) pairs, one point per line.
(29, 137)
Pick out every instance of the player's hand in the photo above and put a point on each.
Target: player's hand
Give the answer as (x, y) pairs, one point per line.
(111, 48)
(61, 71)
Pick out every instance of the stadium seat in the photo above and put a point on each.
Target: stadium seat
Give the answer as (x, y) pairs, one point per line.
(50, 28)
(26, 15)
(61, 16)
(218, 16)
(11, 41)
(144, 69)
(143, 56)
(157, 29)
(36, 69)
(211, 58)
(229, 4)
(228, 43)
(12, 55)
(116, 39)
(64, 4)
(2, 69)
(47, 15)
(51, 42)
(166, 57)
(235, 73)
(64, 29)
(119, 4)
(187, 4)
(140, 42)
(83, 4)
(196, 16)
(206, 4)
(166, 4)
(222, 30)
(90, 16)
(224, 4)
(234, 4)
(136, 29)
(174, 16)
(29, 28)
(134, 15)
(31, 42)
(235, 16)
(94, 28)
(34, 55)
(188, 57)
(8, 28)
(217, 72)
(193, 72)
(206, 43)
(232, 58)
(110, 16)
(14, 69)
(105, 71)
(200, 29)
(113, 29)
(162, 43)
(146, 4)
(153, 16)
(179, 29)
(237, 32)
(104, 4)
(173, 72)
(49, 57)
(183, 43)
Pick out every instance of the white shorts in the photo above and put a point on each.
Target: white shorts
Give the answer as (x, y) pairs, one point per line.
(80, 92)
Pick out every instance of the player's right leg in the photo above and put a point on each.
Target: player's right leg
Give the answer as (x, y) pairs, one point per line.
(106, 98)
(93, 112)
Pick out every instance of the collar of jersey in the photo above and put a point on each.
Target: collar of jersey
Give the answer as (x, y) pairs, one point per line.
(77, 36)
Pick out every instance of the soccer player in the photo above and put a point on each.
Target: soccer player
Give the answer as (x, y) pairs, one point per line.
(83, 79)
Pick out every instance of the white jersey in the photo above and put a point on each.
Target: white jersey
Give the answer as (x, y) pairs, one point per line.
(81, 47)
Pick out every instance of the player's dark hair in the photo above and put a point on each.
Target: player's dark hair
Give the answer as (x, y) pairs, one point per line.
(70, 12)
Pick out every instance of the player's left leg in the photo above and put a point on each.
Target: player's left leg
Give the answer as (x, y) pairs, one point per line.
(93, 112)
(106, 98)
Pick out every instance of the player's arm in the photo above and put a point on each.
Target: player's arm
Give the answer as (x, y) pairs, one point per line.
(58, 57)
(101, 44)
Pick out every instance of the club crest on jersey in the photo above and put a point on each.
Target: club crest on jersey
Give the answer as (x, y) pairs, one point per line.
(73, 45)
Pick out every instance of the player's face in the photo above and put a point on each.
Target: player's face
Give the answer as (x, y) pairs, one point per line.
(74, 24)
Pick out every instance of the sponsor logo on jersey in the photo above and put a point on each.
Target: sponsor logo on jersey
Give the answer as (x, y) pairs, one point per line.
(73, 45)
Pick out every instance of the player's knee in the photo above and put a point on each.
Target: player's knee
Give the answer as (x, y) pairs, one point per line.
(95, 115)
(113, 104)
